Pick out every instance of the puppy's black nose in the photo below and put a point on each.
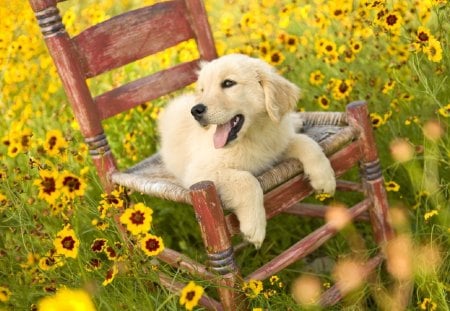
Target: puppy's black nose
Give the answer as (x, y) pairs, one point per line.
(197, 111)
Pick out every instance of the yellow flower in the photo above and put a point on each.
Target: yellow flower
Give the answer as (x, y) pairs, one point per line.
(433, 50)
(428, 304)
(392, 21)
(445, 111)
(55, 143)
(66, 242)
(392, 186)
(275, 58)
(252, 288)
(341, 88)
(190, 295)
(376, 119)
(71, 185)
(67, 299)
(138, 218)
(316, 77)
(110, 275)
(98, 245)
(5, 293)
(430, 214)
(152, 245)
(388, 86)
(50, 261)
(47, 184)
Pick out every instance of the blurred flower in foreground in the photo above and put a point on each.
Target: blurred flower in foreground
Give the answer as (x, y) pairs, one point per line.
(401, 150)
(349, 275)
(67, 299)
(433, 130)
(190, 295)
(306, 290)
(338, 216)
(399, 253)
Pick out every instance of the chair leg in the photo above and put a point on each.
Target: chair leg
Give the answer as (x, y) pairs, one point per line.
(358, 116)
(209, 213)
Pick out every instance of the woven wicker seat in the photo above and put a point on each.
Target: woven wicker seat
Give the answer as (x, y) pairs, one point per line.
(346, 137)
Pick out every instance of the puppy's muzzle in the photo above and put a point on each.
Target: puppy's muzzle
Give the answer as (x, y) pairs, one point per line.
(198, 111)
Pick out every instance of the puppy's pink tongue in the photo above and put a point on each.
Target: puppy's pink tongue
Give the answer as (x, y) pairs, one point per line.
(221, 135)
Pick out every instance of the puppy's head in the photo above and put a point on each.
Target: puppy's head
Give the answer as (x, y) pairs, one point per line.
(234, 90)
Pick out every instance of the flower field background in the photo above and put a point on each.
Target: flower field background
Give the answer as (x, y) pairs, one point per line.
(57, 229)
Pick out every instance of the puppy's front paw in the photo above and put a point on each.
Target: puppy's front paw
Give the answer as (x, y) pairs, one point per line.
(254, 228)
(322, 179)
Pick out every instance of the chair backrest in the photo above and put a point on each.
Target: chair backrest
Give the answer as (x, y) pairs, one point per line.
(114, 43)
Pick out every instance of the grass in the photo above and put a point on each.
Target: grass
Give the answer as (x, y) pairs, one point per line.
(394, 54)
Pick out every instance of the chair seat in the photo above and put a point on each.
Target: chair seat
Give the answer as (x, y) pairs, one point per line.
(151, 177)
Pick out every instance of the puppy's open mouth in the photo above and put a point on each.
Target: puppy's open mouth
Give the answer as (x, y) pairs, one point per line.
(227, 132)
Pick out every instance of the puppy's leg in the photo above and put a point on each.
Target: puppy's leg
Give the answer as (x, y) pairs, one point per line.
(241, 192)
(315, 164)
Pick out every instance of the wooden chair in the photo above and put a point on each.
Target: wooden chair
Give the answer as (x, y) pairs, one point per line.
(345, 137)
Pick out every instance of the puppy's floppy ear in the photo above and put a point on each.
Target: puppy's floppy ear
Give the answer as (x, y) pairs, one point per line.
(281, 95)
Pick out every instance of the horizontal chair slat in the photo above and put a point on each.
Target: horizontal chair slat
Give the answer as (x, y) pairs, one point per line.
(139, 91)
(131, 36)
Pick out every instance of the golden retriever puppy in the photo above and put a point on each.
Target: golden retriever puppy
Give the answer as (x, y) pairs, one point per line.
(236, 125)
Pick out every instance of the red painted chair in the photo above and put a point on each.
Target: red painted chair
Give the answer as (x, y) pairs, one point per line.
(345, 137)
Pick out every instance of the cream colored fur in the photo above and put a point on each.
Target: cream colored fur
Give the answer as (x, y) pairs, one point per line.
(265, 99)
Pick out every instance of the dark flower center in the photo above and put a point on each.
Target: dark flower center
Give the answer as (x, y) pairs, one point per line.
(48, 185)
(423, 37)
(190, 295)
(391, 20)
(68, 243)
(152, 245)
(72, 183)
(137, 218)
(52, 142)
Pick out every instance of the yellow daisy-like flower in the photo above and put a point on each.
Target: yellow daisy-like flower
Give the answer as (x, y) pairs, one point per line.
(71, 185)
(50, 261)
(388, 86)
(66, 242)
(138, 218)
(48, 186)
(392, 186)
(428, 304)
(152, 245)
(5, 293)
(323, 102)
(98, 245)
(430, 214)
(67, 299)
(275, 58)
(433, 50)
(316, 77)
(445, 111)
(252, 288)
(393, 21)
(55, 143)
(341, 88)
(376, 119)
(110, 275)
(190, 295)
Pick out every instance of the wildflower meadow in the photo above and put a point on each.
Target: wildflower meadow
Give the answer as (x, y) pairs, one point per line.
(60, 246)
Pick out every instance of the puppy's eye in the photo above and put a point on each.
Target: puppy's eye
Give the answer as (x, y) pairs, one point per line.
(227, 83)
